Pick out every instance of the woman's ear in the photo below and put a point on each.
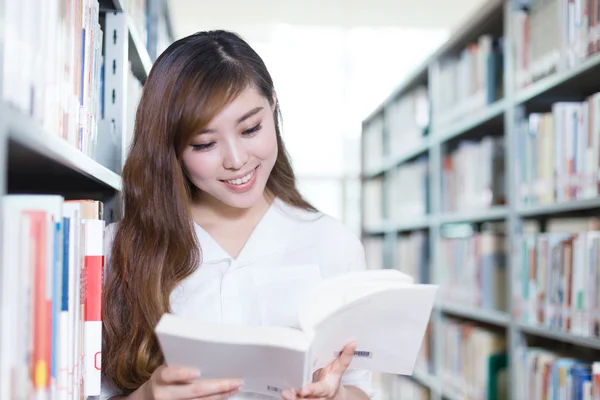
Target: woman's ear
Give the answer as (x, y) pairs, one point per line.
(274, 104)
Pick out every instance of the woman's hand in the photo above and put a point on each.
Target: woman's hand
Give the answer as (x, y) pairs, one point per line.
(326, 383)
(179, 383)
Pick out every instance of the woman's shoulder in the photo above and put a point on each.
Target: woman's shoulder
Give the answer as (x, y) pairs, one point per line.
(334, 241)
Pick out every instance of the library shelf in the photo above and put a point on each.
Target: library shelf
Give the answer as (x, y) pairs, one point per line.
(111, 5)
(488, 316)
(565, 337)
(424, 378)
(391, 162)
(404, 226)
(38, 159)
(138, 53)
(490, 214)
(532, 211)
(581, 79)
(488, 118)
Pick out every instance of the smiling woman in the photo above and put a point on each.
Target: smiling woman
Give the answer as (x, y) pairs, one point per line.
(208, 187)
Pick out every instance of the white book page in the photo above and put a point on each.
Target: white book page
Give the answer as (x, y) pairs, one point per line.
(268, 359)
(388, 328)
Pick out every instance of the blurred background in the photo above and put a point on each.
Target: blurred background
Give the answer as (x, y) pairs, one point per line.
(460, 140)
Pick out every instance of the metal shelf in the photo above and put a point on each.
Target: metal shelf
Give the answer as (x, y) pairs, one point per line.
(138, 53)
(489, 117)
(576, 79)
(43, 160)
(111, 5)
(386, 227)
(476, 314)
(491, 214)
(557, 208)
(394, 161)
(589, 342)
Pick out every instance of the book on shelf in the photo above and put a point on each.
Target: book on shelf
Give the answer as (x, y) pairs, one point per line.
(469, 80)
(406, 191)
(558, 153)
(383, 311)
(53, 71)
(412, 258)
(543, 373)
(465, 188)
(474, 361)
(473, 267)
(558, 279)
(407, 120)
(50, 286)
(553, 36)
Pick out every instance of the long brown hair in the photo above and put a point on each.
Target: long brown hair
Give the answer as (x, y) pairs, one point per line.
(155, 246)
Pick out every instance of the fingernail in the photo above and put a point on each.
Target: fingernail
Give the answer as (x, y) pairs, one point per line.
(194, 373)
(239, 384)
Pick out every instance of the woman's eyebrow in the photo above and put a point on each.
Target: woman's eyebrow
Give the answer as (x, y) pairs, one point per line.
(250, 113)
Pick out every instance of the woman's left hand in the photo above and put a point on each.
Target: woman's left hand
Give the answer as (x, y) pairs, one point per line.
(326, 383)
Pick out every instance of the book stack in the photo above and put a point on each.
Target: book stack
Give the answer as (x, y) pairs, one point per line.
(51, 288)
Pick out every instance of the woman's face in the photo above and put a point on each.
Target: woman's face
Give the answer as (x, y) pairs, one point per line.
(231, 160)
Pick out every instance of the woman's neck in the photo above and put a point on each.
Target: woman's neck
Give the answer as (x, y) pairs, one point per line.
(207, 210)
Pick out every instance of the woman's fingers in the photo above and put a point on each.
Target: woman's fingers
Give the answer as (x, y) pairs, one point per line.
(175, 374)
(206, 389)
(342, 362)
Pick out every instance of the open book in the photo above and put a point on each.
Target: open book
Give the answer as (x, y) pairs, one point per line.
(383, 311)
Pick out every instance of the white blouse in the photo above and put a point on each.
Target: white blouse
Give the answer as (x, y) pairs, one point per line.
(289, 250)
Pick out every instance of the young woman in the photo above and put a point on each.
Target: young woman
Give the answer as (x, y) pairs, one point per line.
(214, 227)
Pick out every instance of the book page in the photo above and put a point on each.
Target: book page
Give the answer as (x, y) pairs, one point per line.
(388, 327)
(269, 359)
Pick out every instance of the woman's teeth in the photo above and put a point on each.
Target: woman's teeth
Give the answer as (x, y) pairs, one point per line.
(241, 180)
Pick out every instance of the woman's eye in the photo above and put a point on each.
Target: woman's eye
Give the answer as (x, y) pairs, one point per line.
(202, 146)
(254, 129)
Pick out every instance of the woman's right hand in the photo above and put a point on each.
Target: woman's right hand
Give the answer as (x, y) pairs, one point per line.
(179, 383)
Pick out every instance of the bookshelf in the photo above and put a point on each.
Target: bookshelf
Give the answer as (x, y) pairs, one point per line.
(497, 187)
(58, 140)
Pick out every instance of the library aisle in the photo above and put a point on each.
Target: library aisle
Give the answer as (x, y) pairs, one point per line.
(481, 173)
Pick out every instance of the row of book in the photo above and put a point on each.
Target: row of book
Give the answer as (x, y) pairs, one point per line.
(558, 277)
(407, 121)
(465, 188)
(50, 297)
(559, 153)
(407, 191)
(412, 255)
(543, 374)
(469, 80)
(553, 36)
(474, 361)
(52, 66)
(472, 267)
(373, 145)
